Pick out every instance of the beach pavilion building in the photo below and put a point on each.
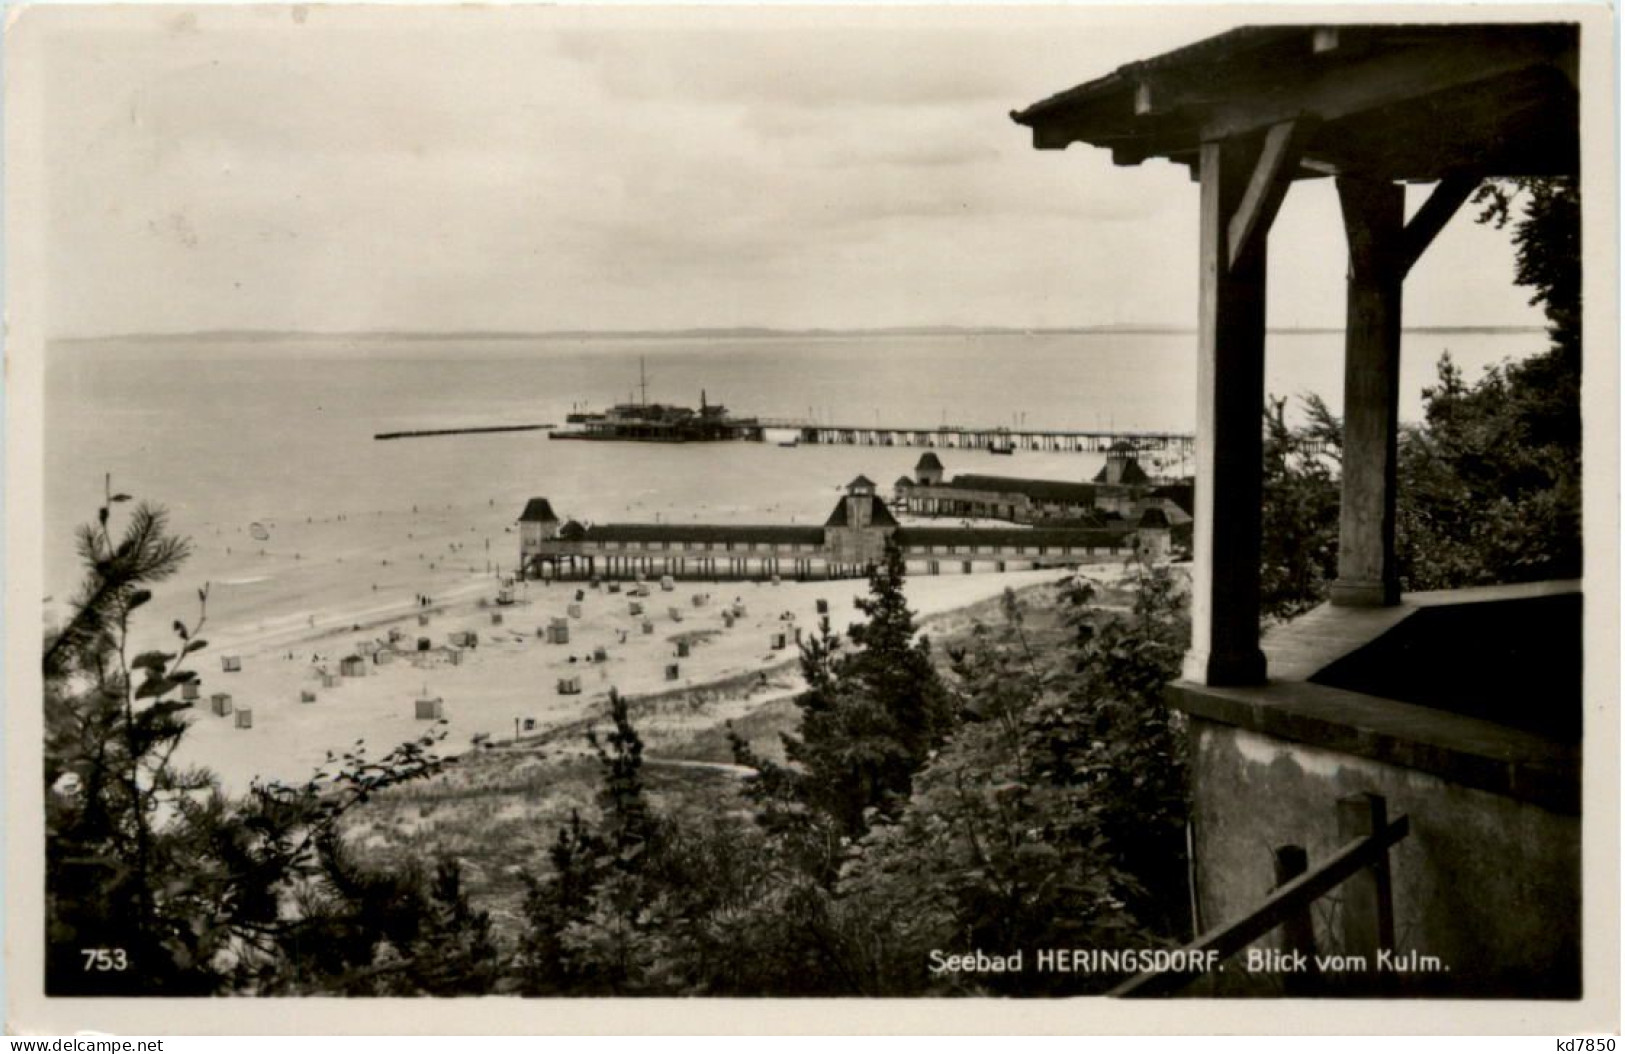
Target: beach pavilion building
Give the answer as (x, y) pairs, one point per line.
(1122, 492)
(1390, 774)
(851, 540)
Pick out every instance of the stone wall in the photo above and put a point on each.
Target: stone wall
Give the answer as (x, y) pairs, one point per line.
(1487, 883)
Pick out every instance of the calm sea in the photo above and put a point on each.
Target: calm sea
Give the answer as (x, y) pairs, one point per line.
(230, 433)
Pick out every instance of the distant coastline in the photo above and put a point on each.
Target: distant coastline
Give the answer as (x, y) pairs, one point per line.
(735, 333)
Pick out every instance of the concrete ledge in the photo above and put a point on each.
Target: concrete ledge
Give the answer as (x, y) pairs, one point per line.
(1464, 750)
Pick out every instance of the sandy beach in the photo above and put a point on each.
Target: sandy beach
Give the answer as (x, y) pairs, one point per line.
(512, 674)
(291, 594)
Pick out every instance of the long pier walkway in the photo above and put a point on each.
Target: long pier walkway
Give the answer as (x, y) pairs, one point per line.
(958, 437)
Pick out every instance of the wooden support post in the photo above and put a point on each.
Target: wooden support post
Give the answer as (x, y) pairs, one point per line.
(1373, 217)
(1229, 431)
(1297, 929)
(1368, 896)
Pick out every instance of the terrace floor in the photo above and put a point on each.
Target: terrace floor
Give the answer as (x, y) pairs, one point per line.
(1479, 686)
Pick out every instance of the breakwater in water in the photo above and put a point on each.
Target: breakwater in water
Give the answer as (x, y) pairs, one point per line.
(459, 431)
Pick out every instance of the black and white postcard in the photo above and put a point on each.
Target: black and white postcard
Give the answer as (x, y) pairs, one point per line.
(871, 511)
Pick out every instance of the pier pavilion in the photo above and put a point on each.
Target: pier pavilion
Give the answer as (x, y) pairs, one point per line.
(1122, 492)
(1307, 740)
(851, 540)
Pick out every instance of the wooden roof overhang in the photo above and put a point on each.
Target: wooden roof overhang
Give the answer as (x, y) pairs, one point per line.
(1402, 102)
(1250, 112)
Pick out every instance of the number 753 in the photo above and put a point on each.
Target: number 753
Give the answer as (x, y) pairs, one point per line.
(103, 960)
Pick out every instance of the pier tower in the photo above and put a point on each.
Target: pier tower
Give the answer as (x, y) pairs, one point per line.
(1122, 467)
(537, 524)
(928, 470)
(855, 533)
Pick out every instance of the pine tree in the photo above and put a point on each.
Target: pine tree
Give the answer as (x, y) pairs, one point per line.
(871, 715)
(191, 892)
(628, 824)
(585, 920)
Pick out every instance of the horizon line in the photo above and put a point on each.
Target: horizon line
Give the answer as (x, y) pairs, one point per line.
(724, 332)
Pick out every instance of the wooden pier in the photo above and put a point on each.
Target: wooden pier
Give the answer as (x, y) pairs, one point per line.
(958, 437)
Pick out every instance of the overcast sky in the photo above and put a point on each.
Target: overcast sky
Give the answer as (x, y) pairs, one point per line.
(546, 168)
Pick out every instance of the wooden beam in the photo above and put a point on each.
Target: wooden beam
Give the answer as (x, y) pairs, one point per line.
(1569, 65)
(1163, 92)
(1151, 138)
(1297, 927)
(1272, 174)
(1129, 154)
(1144, 99)
(1368, 894)
(1450, 194)
(1526, 135)
(1280, 905)
(1385, 79)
